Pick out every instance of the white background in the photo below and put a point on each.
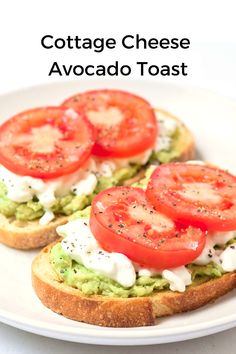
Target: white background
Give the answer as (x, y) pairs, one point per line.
(210, 25)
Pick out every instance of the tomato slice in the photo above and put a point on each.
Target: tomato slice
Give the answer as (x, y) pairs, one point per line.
(122, 220)
(199, 195)
(126, 123)
(46, 142)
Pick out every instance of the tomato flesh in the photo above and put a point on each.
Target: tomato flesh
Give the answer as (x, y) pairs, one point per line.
(198, 195)
(46, 142)
(122, 220)
(126, 123)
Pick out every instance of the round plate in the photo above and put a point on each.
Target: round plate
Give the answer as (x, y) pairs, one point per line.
(212, 119)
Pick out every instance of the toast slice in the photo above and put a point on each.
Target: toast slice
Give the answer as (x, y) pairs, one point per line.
(27, 235)
(30, 235)
(119, 312)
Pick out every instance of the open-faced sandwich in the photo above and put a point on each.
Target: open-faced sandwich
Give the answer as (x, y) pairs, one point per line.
(165, 246)
(54, 160)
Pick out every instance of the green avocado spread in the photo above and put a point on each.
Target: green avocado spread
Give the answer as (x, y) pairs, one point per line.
(66, 205)
(173, 152)
(92, 283)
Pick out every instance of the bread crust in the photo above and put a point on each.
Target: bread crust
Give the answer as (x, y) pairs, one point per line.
(119, 312)
(29, 235)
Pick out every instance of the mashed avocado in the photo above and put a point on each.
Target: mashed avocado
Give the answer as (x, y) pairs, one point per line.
(118, 177)
(91, 283)
(172, 153)
(211, 270)
(33, 209)
(144, 181)
(81, 214)
(65, 205)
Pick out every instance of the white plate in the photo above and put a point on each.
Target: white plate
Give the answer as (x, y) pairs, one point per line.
(213, 121)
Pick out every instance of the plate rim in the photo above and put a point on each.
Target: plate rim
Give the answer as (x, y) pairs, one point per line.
(174, 84)
(115, 336)
(230, 319)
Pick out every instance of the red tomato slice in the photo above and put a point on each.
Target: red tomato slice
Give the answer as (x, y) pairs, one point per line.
(122, 220)
(126, 123)
(46, 142)
(199, 195)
